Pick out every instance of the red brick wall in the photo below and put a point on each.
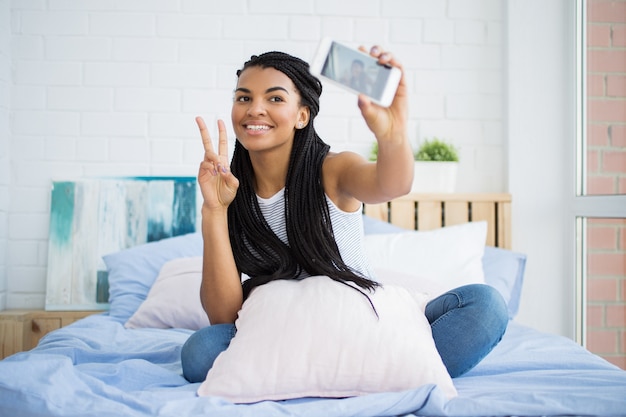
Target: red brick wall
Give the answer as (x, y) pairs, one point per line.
(606, 174)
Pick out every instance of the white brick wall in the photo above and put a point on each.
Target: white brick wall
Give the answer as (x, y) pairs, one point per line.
(5, 143)
(112, 87)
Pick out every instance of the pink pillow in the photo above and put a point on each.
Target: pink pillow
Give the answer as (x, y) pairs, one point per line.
(319, 338)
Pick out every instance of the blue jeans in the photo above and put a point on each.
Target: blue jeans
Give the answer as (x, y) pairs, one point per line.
(466, 323)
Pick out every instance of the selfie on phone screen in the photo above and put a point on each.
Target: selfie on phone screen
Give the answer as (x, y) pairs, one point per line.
(355, 71)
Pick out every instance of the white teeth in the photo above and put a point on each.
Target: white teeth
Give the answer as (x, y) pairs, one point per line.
(258, 127)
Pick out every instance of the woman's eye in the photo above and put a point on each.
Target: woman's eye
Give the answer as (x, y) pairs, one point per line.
(276, 99)
(242, 98)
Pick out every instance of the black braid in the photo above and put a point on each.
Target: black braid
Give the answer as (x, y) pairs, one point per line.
(258, 252)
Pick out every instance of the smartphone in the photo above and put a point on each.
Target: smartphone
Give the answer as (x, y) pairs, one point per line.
(356, 71)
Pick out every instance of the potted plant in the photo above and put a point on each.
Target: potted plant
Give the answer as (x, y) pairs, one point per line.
(436, 164)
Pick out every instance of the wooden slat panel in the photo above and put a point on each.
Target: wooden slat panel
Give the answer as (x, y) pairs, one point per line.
(403, 214)
(490, 207)
(428, 215)
(376, 211)
(486, 211)
(456, 212)
(504, 225)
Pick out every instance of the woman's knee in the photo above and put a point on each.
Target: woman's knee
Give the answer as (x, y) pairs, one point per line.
(202, 348)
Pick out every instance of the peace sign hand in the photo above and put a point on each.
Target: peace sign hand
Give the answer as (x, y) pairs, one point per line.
(217, 184)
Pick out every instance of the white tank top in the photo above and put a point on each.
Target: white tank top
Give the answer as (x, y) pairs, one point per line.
(347, 227)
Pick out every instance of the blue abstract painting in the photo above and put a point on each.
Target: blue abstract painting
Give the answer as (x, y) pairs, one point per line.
(95, 217)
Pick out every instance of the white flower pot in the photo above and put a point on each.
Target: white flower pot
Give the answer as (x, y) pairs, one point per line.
(434, 177)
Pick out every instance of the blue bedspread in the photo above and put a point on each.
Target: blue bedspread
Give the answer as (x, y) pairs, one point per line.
(96, 367)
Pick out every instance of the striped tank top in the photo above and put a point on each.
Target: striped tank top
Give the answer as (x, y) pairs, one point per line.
(347, 228)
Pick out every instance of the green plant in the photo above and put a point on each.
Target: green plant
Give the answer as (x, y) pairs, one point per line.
(374, 152)
(436, 150)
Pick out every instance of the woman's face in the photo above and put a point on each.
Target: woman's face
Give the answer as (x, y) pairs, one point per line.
(266, 109)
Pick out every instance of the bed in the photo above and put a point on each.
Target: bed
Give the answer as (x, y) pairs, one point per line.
(126, 361)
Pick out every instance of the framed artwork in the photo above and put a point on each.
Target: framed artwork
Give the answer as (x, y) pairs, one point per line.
(94, 217)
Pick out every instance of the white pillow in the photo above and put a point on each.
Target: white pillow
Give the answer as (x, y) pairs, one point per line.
(320, 338)
(174, 299)
(438, 260)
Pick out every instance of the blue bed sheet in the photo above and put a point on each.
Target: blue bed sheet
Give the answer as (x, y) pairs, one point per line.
(96, 367)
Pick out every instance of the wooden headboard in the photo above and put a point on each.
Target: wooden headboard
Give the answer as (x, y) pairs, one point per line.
(432, 211)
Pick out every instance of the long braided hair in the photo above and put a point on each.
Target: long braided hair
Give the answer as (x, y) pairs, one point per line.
(312, 248)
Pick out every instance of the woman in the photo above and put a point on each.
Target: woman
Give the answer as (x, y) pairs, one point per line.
(288, 208)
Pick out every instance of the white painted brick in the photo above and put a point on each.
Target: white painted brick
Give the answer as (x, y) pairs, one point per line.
(28, 226)
(227, 75)
(28, 147)
(70, 48)
(472, 81)
(47, 73)
(476, 9)
(27, 47)
(147, 99)
(38, 173)
(210, 101)
(427, 106)
(150, 50)
(183, 75)
(60, 148)
(54, 23)
(368, 32)
(494, 133)
(129, 149)
(31, 279)
(189, 26)
(122, 24)
(28, 97)
(26, 301)
(117, 74)
(236, 7)
(456, 131)
(470, 32)
(353, 8)
(116, 5)
(405, 31)
(114, 124)
(193, 151)
(281, 7)
(438, 31)
(23, 199)
(21, 251)
(28, 5)
(168, 151)
(118, 169)
(175, 125)
(80, 98)
(46, 123)
(418, 56)
(305, 27)
(253, 27)
(92, 149)
(205, 51)
(338, 28)
(415, 8)
(429, 82)
(472, 106)
(471, 57)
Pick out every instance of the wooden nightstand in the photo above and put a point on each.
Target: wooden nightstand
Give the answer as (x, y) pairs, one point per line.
(21, 330)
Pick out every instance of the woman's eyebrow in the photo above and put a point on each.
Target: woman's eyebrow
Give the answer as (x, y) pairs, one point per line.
(269, 90)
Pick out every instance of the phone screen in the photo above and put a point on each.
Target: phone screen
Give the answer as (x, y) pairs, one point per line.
(356, 70)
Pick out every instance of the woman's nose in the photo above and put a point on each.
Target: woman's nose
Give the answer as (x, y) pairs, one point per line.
(256, 108)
